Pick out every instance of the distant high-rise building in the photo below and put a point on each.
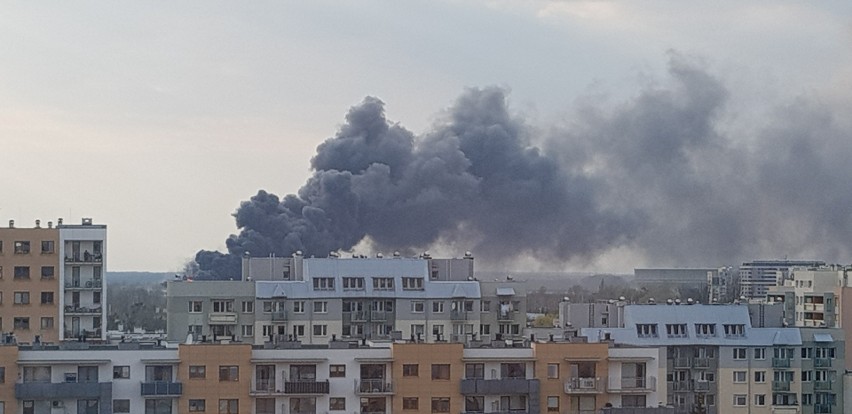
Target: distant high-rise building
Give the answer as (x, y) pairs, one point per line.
(756, 277)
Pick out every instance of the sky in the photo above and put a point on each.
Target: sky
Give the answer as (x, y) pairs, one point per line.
(160, 119)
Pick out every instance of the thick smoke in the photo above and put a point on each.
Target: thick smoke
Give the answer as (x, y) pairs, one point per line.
(655, 174)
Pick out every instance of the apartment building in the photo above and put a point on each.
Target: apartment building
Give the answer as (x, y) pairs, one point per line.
(317, 300)
(51, 285)
(717, 361)
(228, 377)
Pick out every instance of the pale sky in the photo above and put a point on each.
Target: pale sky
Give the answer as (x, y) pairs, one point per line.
(159, 118)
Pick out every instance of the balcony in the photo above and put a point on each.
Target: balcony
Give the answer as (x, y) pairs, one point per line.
(162, 389)
(506, 316)
(378, 316)
(373, 387)
(701, 363)
(82, 310)
(822, 362)
(306, 387)
(264, 387)
(78, 259)
(60, 390)
(822, 385)
(701, 386)
(583, 385)
(632, 384)
(223, 318)
(96, 334)
(360, 316)
(279, 316)
(460, 316)
(503, 386)
(682, 363)
(682, 386)
(84, 285)
(780, 385)
(780, 363)
(822, 409)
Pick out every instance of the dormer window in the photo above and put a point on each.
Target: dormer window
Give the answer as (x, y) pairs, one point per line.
(646, 330)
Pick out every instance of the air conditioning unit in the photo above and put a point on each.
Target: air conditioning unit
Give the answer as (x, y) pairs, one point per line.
(57, 404)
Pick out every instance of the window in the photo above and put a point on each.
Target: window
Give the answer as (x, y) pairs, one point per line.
(552, 404)
(440, 404)
(264, 406)
(807, 353)
(121, 406)
(337, 404)
(229, 406)
(22, 247)
(440, 371)
(410, 403)
(248, 306)
(807, 376)
(485, 329)
(474, 404)
(220, 306)
(47, 246)
(513, 370)
(22, 298)
(740, 400)
(553, 371)
(437, 307)
(759, 400)
(412, 283)
(677, 330)
(37, 374)
(299, 306)
(760, 376)
(485, 306)
(337, 371)
(739, 376)
(321, 307)
(47, 272)
(825, 353)
(2, 375)
(197, 371)
(410, 370)
(22, 272)
(646, 330)
(739, 353)
(96, 297)
(760, 353)
(195, 306)
(121, 372)
(320, 330)
(197, 406)
(382, 283)
(268, 330)
(323, 283)
(417, 306)
(783, 353)
(248, 330)
(229, 373)
(22, 323)
(46, 298)
(705, 329)
(298, 330)
(734, 329)
(353, 283)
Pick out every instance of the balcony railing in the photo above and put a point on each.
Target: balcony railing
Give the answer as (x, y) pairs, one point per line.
(223, 318)
(82, 310)
(162, 388)
(701, 386)
(460, 315)
(306, 387)
(265, 387)
(88, 284)
(583, 385)
(822, 385)
(780, 363)
(681, 386)
(701, 362)
(82, 258)
(822, 362)
(822, 409)
(504, 386)
(279, 316)
(83, 333)
(59, 390)
(506, 316)
(633, 384)
(373, 386)
(682, 362)
(780, 385)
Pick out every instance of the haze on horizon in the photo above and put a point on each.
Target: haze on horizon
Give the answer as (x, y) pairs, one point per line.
(699, 134)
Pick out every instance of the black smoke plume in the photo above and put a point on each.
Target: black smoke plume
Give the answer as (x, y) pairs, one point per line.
(659, 174)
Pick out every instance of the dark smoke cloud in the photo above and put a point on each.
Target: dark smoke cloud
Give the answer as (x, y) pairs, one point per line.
(653, 174)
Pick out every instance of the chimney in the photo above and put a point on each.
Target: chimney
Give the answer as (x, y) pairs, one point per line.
(59, 221)
(50, 224)
(11, 224)
(38, 224)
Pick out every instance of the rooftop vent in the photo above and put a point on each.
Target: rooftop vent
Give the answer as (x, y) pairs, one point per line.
(38, 224)
(87, 221)
(59, 221)
(50, 224)
(11, 224)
